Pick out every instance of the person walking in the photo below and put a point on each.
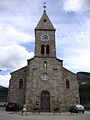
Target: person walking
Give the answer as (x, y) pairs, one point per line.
(24, 110)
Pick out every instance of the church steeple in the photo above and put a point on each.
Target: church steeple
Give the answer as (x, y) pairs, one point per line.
(45, 22)
(45, 37)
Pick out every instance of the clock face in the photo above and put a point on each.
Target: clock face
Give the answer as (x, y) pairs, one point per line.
(44, 37)
(44, 77)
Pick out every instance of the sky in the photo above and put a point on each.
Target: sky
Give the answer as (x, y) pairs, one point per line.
(18, 18)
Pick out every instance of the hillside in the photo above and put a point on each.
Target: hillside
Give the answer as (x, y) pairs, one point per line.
(84, 88)
(3, 94)
(83, 77)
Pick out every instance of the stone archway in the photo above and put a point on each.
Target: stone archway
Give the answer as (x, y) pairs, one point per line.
(45, 101)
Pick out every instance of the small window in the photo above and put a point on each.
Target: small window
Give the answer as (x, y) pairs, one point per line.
(47, 49)
(67, 84)
(44, 20)
(42, 49)
(21, 83)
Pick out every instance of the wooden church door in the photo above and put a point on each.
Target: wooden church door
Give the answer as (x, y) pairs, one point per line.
(45, 101)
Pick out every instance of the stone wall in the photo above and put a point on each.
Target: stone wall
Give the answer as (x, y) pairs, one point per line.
(16, 94)
(72, 94)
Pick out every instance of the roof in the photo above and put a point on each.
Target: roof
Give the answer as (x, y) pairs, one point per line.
(45, 23)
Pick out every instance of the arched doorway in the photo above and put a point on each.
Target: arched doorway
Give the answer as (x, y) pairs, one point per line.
(45, 101)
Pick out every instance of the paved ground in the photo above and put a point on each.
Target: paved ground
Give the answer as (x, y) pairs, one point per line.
(43, 116)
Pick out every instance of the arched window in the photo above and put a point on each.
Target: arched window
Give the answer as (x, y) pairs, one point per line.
(42, 49)
(47, 49)
(21, 83)
(45, 64)
(67, 83)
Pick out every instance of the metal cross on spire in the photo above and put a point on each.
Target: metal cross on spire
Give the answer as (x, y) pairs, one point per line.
(44, 6)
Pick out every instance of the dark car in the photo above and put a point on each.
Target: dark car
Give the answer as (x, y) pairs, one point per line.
(77, 108)
(12, 107)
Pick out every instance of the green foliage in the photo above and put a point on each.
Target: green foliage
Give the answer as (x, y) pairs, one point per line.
(3, 94)
(85, 87)
(85, 93)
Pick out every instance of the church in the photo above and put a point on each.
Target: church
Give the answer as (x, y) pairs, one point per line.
(44, 81)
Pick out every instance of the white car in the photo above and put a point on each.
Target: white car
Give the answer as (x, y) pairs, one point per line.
(77, 108)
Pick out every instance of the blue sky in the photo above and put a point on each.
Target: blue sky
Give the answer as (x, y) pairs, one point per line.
(18, 18)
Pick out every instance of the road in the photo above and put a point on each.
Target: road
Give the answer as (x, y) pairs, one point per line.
(43, 116)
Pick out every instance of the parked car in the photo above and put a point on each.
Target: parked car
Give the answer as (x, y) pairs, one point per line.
(12, 107)
(77, 108)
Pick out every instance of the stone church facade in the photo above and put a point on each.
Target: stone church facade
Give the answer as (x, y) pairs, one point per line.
(44, 81)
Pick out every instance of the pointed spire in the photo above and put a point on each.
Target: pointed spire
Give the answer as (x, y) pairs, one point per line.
(45, 23)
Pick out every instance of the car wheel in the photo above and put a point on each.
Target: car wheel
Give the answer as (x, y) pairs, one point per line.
(76, 111)
(82, 111)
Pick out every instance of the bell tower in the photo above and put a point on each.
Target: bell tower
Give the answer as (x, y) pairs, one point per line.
(45, 37)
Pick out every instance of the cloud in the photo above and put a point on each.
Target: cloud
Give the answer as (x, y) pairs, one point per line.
(9, 35)
(14, 57)
(78, 60)
(17, 7)
(4, 80)
(73, 45)
(76, 5)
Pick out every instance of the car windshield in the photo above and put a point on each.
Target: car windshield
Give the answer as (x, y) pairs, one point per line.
(80, 106)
